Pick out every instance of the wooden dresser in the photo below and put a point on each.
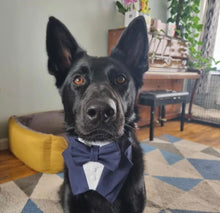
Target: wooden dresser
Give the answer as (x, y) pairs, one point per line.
(167, 71)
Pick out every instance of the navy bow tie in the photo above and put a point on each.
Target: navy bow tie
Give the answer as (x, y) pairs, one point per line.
(109, 155)
(117, 165)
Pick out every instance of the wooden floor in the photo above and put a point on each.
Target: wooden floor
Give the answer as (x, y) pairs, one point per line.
(11, 168)
(195, 132)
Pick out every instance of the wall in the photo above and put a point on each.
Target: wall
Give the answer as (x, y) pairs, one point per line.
(25, 85)
(159, 9)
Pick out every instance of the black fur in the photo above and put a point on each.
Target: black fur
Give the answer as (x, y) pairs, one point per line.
(99, 98)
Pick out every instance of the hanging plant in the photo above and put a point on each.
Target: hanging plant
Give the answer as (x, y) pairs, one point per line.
(185, 14)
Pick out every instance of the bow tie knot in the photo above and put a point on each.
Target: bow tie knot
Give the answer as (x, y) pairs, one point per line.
(109, 155)
(94, 153)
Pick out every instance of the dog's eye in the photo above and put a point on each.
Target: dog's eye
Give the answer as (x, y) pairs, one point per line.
(78, 80)
(121, 79)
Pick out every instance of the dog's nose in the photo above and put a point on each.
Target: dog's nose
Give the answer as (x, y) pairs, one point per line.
(101, 111)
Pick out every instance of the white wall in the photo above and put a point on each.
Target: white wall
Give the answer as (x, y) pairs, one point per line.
(25, 85)
(159, 9)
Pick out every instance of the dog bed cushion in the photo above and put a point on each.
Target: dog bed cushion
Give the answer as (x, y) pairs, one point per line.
(38, 140)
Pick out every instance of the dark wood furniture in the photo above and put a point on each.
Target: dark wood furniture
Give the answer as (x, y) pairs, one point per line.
(161, 99)
(167, 71)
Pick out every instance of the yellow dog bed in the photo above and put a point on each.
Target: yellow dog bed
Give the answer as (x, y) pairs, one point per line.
(38, 140)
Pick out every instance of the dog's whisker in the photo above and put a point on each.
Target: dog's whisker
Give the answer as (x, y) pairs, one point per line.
(130, 126)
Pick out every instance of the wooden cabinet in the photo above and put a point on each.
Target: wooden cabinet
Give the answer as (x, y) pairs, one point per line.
(167, 69)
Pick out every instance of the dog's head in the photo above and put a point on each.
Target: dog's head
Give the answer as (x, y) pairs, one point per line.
(98, 93)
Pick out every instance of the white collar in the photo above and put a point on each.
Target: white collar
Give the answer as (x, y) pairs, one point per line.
(94, 143)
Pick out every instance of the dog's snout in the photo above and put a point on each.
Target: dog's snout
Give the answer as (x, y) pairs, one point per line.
(103, 111)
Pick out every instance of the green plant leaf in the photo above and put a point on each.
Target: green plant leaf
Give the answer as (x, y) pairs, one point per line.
(121, 8)
(197, 2)
(199, 27)
(170, 20)
(196, 10)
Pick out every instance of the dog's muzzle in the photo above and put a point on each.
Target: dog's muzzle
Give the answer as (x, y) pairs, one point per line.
(101, 111)
(100, 115)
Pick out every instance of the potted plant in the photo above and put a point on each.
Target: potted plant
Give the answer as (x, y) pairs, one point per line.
(133, 8)
(127, 8)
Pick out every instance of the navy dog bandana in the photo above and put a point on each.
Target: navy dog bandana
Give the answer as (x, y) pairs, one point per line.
(117, 165)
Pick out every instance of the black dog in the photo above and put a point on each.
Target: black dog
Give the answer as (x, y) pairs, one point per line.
(99, 98)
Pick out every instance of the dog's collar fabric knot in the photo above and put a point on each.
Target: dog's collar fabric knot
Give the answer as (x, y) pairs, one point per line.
(109, 155)
(117, 165)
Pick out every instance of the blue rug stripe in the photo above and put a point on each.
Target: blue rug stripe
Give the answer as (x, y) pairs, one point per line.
(172, 139)
(185, 184)
(61, 174)
(146, 148)
(209, 169)
(170, 157)
(31, 207)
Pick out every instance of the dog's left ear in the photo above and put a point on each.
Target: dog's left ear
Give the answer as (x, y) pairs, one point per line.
(132, 49)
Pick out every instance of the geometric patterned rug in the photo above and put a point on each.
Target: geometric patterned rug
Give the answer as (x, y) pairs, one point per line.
(181, 177)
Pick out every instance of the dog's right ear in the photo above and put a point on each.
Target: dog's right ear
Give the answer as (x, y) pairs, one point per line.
(62, 50)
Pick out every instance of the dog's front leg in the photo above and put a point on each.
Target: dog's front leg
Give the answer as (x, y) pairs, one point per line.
(66, 206)
(134, 201)
(133, 194)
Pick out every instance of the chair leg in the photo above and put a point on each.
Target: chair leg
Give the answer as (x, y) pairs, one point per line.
(162, 115)
(152, 123)
(182, 116)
